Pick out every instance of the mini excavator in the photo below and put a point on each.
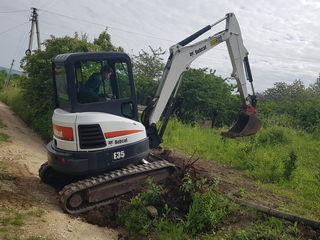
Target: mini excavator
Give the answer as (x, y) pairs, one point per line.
(100, 150)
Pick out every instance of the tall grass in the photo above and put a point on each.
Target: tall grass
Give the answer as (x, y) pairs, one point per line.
(280, 158)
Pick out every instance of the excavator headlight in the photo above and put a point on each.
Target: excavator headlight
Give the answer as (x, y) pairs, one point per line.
(63, 133)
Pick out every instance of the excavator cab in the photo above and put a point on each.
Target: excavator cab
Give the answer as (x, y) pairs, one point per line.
(95, 82)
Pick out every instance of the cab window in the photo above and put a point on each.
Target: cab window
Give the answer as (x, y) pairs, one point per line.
(61, 86)
(100, 81)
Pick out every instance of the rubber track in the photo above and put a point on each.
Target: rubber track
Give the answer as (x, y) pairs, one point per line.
(92, 182)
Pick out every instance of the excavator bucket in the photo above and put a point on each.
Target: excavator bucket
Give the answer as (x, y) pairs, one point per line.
(247, 124)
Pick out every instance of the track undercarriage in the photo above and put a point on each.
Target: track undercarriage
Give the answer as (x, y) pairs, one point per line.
(79, 196)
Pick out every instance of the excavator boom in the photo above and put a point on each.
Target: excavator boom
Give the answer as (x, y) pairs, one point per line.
(182, 55)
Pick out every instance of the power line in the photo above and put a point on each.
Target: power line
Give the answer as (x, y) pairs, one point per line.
(15, 11)
(108, 26)
(48, 6)
(14, 27)
(20, 43)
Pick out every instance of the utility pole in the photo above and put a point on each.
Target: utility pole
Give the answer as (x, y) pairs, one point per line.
(9, 75)
(34, 24)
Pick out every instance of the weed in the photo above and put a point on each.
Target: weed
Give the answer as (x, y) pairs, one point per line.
(187, 184)
(206, 211)
(15, 219)
(2, 125)
(36, 213)
(4, 138)
(271, 229)
(294, 229)
(136, 217)
(166, 230)
(241, 191)
(290, 164)
(137, 220)
(152, 196)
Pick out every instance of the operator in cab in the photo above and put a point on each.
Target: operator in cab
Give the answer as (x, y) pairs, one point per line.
(91, 89)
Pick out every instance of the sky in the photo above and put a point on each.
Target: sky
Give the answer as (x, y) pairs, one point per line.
(282, 36)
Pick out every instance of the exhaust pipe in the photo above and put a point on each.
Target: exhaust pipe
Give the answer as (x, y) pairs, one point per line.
(247, 124)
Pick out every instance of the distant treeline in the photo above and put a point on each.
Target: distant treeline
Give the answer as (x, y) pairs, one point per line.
(292, 105)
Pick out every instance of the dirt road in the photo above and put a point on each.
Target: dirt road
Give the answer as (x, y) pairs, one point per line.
(21, 189)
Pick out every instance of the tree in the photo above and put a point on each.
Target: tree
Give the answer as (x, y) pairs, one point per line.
(104, 43)
(207, 97)
(147, 69)
(315, 88)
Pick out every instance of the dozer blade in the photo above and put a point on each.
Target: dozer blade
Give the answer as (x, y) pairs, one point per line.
(247, 124)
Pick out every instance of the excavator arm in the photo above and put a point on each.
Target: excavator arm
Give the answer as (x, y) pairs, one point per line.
(181, 56)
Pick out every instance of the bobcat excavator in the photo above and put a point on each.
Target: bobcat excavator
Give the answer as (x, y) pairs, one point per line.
(100, 150)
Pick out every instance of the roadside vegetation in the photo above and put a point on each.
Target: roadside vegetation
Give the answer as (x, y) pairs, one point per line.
(282, 157)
